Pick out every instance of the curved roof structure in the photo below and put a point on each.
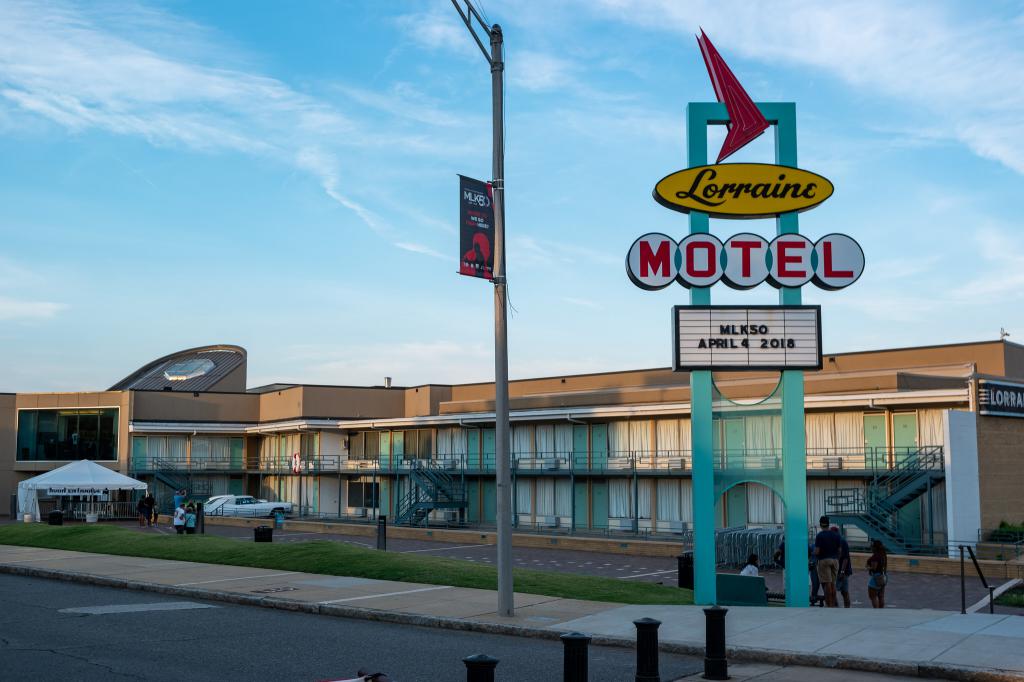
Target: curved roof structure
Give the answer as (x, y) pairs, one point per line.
(206, 368)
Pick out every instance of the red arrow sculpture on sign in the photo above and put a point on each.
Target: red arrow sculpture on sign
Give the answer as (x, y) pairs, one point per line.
(745, 120)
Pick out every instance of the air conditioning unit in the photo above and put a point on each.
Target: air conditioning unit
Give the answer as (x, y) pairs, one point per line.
(550, 464)
(547, 521)
(358, 511)
(619, 463)
(451, 516)
(620, 524)
(670, 526)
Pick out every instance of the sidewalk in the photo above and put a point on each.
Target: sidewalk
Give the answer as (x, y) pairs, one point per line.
(907, 642)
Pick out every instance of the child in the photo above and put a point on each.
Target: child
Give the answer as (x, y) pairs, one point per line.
(190, 520)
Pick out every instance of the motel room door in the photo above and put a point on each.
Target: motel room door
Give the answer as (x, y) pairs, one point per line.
(874, 441)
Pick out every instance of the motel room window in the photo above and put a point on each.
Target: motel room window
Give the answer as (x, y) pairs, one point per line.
(364, 445)
(363, 494)
(419, 444)
(59, 435)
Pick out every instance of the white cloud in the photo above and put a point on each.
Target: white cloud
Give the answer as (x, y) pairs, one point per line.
(539, 71)
(957, 65)
(15, 309)
(425, 250)
(140, 72)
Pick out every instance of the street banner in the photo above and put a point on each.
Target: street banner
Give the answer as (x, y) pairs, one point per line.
(476, 228)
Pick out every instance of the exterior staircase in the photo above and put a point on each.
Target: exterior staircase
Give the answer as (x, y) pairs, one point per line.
(430, 488)
(875, 509)
(169, 473)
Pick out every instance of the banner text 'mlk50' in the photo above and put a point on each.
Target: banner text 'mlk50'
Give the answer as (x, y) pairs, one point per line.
(742, 190)
(476, 228)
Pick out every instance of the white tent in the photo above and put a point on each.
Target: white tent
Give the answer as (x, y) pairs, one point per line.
(78, 478)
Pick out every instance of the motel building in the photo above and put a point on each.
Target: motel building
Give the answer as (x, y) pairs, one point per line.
(922, 447)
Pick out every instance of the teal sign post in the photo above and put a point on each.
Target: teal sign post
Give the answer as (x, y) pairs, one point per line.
(699, 115)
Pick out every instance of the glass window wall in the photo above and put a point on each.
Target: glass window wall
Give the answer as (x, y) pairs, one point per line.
(58, 435)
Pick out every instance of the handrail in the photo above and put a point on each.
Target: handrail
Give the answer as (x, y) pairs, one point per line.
(963, 585)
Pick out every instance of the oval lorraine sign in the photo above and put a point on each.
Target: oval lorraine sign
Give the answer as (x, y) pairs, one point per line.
(742, 190)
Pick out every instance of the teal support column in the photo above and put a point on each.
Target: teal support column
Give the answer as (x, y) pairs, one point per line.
(794, 443)
(697, 116)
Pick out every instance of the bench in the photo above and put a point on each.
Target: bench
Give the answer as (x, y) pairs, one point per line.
(740, 590)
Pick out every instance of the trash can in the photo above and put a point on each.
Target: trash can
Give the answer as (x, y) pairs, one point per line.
(685, 561)
(263, 534)
(278, 519)
(55, 518)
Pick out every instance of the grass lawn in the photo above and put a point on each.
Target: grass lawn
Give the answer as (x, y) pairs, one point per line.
(335, 558)
(1014, 597)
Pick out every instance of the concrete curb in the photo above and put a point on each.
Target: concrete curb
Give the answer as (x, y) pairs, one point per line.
(745, 654)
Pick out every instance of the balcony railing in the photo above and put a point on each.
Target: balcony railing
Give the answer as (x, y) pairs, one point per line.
(867, 461)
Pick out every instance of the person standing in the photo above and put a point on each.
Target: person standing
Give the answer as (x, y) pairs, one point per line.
(827, 546)
(179, 519)
(143, 511)
(190, 520)
(750, 569)
(179, 498)
(845, 568)
(812, 570)
(877, 565)
(150, 508)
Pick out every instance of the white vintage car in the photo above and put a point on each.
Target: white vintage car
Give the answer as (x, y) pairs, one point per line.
(244, 505)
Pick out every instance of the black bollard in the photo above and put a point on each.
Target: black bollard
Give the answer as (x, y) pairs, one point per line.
(576, 666)
(716, 666)
(685, 570)
(201, 518)
(647, 650)
(480, 668)
(382, 533)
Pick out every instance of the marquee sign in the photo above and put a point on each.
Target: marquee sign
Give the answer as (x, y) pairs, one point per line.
(742, 190)
(737, 338)
(743, 261)
(1000, 399)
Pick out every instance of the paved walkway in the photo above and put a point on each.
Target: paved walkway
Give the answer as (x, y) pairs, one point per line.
(917, 642)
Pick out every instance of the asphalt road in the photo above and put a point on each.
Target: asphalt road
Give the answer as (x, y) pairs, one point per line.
(905, 590)
(40, 640)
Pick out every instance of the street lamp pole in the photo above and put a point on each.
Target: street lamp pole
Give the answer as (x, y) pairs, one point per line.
(503, 469)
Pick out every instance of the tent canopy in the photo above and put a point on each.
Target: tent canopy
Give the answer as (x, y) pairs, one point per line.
(77, 478)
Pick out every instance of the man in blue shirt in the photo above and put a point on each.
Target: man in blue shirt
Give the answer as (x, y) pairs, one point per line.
(827, 548)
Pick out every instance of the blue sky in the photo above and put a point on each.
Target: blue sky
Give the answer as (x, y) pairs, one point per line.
(283, 176)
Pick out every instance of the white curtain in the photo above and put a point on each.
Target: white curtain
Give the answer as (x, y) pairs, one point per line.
(849, 431)
(668, 437)
(220, 449)
(521, 441)
(157, 447)
(563, 497)
(545, 497)
(761, 437)
(763, 505)
(929, 426)
(177, 447)
(685, 443)
(619, 498)
(686, 500)
(669, 502)
(563, 440)
(820, 431)
(640, 437)
(618, 439)
(545, 440)
(451, 443)
(643, 498)
(524, 497)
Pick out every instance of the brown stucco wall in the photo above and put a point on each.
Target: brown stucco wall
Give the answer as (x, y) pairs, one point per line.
(1001, 470)
(8, 449)
(188, 407)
